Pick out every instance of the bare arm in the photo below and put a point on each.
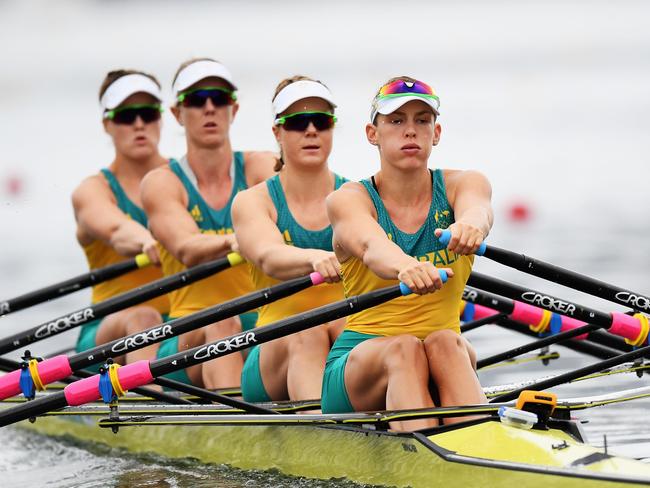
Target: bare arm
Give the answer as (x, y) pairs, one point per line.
(259, 166)
(99, 218)
(165, 201)
(261, 242)
(357, 233)
(469, 194)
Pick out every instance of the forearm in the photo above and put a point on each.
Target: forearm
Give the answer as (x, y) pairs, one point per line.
(478, 216)
(284, 262)
(200, 248)
(129, 238)
(385, 258)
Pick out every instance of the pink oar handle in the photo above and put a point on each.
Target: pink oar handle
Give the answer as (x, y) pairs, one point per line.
(316, 278)
(625, 326)
(87, 390)
(49, 370)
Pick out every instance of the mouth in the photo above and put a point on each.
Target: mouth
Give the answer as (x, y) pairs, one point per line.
(210, 125)
(140, 139)
(311, 147)
(410, 147)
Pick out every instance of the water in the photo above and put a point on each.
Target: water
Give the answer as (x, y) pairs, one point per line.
(548, 99)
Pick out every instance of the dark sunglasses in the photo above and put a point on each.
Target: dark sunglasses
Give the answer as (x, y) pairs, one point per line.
(299, 121)
(220, 97)
(129, 113)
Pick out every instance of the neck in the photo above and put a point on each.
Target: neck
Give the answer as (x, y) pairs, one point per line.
(210, 162)
(135, 168)
(306, 184)
(406, 187)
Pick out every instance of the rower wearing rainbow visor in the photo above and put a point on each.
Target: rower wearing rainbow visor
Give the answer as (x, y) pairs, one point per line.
(283, 229)
(396, 355)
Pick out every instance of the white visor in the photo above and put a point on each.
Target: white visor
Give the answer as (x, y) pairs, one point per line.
(124, 87)
(199, 70)
(387, 106)
(297, 91)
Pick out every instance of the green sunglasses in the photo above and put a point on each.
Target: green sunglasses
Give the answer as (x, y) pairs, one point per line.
(199, 96)
(129, 113)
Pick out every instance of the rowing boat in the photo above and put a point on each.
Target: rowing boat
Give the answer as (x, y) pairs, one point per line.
(359, 447)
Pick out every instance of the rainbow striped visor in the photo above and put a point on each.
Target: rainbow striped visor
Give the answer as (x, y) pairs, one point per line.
(393, 95)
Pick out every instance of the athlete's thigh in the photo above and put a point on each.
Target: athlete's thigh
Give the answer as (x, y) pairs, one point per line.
(366, 377)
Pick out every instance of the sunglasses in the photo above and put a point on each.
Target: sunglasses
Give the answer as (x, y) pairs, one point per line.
(400, 87)
(299, 121)
(220, 97)
(126, 115)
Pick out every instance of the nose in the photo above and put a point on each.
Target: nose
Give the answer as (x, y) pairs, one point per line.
(209, 106)
(139, 123)
(409, 129)
(311, 129)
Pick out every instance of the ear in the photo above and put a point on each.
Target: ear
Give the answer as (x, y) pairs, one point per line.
(276, 132)
(437, 130)
(234, 110)
(176, 110)
(105, 124)
(371, 134)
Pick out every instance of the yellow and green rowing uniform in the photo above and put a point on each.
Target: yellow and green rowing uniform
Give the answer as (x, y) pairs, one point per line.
(415, 315)
(99, 254)
(294, 235)
(228, 284)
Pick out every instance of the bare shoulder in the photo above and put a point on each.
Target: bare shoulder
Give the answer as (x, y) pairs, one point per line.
(350, 195)
(93, 187)
(257, 195)
(466, 180)
(259, 165)
(161, 183)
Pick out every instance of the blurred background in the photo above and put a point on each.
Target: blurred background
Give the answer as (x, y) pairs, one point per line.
(549, 99)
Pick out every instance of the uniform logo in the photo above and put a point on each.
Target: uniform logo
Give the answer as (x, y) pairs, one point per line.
(196, 214)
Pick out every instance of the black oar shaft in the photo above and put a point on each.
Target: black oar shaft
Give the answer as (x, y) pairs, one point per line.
(114, 304)
(538, 299)
(475, 324)
(586, 284)
(188, 323)
(66, 287)
(269, 332)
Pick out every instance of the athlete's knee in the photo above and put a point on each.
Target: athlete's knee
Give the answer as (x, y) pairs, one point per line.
(444, 343)
(143, 317)
(223, 329)
(405, 351)
(309, 340)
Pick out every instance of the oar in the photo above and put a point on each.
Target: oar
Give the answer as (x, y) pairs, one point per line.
(119, 302)
(143, 372)
(58, 367)
(633, 328)
(80, 282)
(586, 284)
(575, 374)
(10, 365)
(583, 347)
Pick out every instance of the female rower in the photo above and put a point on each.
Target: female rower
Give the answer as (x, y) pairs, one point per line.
(188, 204)
(110, 223)
(385, 230)
(283, 229)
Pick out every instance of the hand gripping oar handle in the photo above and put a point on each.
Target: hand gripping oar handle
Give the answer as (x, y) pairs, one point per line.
(143, 372)
(71, 285)
(445, 237)
(62, 366)
(119, 302)
(632, 299)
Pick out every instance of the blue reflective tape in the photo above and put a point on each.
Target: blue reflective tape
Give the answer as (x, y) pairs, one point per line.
(105, 386)
(555, 325)
(27, 384)
(468, 312)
